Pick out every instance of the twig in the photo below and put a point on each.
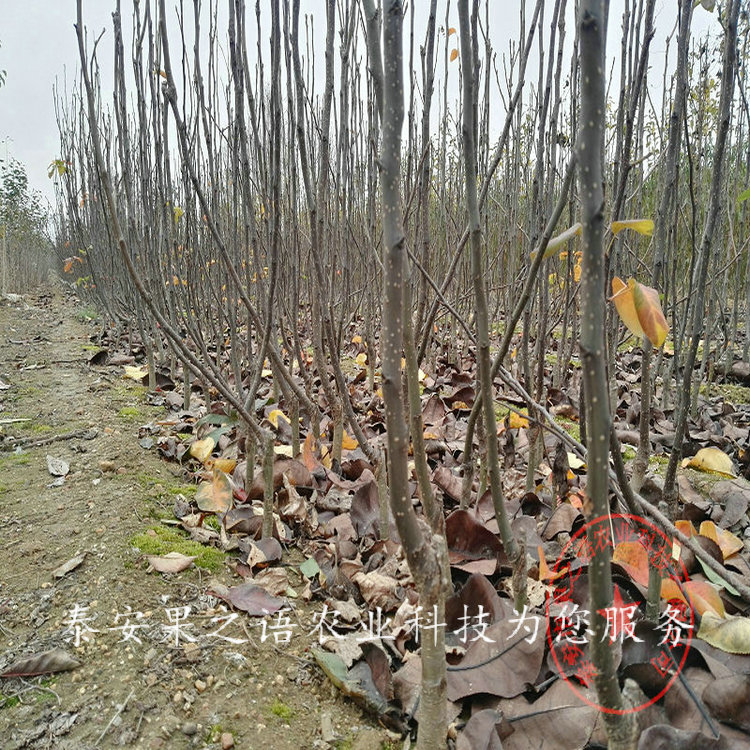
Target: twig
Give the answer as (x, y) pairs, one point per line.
(29, 442)
(120, 709)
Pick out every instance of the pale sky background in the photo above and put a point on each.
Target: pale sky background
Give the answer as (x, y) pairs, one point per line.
(39, 50)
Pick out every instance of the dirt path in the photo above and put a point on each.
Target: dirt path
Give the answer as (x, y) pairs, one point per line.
(206, 693)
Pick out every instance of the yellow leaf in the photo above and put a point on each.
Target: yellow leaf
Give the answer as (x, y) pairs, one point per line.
(356, 339)
(454, 54)
(361, 359)
(227, 465)
(729, 543)
(215, 496)
(283, 450)
(622, 296)
(135, 373)
(730, 633)
(650, 315)
(640, 310)
(201, 449)
(711, 459)
(577, 272)
(685, 526)
(348, 443)
(421, 375)
(642, 226)
(451, 30)
(708, 529)
(557, 242)
(274, 415)
(516, 421)
(574, 462)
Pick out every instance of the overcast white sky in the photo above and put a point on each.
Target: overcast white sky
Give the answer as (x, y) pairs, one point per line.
(39, 48)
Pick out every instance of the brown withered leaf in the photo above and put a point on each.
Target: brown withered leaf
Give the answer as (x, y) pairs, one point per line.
(729, 700)
(559, 719)
(407, 689)
(66, 567)
(295, 507)
(297, 473)
(273, 580)
(666, 737)
(242, 520)
(466, 602)
(482, 731)
(365, 510)
(562, 519)
(47, 662)
(734, 497)
(448, 482)
(508, 674)
(379, 590)
(253, 599)
(470, 541)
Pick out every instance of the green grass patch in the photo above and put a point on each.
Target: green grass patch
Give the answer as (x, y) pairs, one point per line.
(87, 314)
(572, 428)
(282, 710)
(130, 412)
(164, 540)
(162, 487)
(658, 460)
(737, 394)
(14, 459)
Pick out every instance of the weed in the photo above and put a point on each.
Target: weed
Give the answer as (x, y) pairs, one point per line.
(214, 732)
(87, 314)
(280, 709)
(572, 428)
(9, 701)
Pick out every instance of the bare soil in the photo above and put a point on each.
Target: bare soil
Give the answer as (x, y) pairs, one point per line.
(153, 694)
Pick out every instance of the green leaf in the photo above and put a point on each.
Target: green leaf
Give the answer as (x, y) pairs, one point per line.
(744, 195)
(217, 419)
(309, 568)
(717, 579)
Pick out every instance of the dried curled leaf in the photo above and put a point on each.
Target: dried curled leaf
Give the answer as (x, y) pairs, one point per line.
(454, 54)
(730, 634)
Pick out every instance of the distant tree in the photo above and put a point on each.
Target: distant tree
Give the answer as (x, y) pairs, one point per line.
(3, 72)
(26, 246)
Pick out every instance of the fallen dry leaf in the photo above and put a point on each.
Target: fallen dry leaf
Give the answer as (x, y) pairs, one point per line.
(54, 660)
(711, 459)
(172, 562)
